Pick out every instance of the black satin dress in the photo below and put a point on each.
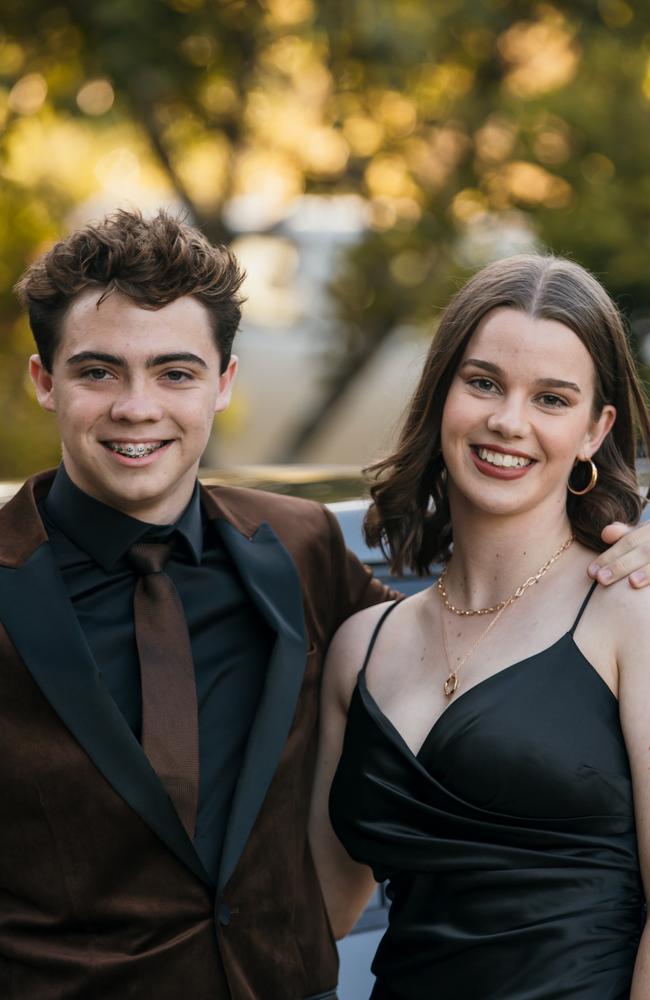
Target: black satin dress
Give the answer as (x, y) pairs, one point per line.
(508, 841)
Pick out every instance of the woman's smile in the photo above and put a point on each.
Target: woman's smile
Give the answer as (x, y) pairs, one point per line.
(500, 463)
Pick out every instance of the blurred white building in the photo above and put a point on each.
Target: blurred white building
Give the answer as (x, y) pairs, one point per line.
(287, 333)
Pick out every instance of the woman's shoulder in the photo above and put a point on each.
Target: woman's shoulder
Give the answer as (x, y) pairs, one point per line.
(622, 606)
(618, 624)
(623, 616)
(349, 647)
(356, 632)
(619, 604)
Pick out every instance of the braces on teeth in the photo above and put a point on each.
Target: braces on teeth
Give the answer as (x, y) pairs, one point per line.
(134, 450)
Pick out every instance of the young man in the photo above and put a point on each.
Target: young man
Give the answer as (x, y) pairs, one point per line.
(125, 872)
(153, 841)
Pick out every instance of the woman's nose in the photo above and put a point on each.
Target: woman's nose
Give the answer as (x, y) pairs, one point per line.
(509, 418)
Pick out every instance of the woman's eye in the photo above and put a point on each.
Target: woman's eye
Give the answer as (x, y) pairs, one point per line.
(551, 400)
(482, 384)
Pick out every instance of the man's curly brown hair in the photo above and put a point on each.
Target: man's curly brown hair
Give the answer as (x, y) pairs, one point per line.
(153, 261)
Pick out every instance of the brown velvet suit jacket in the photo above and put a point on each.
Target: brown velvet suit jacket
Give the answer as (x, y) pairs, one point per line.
(102, 896)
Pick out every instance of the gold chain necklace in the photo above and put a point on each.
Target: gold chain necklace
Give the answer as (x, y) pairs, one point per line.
(451, 683)
(440, 587)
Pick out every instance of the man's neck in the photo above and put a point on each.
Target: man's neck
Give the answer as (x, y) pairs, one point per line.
(158, 510)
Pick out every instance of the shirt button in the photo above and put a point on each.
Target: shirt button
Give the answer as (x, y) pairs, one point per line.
(223, 913)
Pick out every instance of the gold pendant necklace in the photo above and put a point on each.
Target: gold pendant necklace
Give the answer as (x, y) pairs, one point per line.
(452, 681)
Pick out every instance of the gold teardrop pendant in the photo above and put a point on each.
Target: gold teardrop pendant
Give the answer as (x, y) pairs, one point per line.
(451, 684)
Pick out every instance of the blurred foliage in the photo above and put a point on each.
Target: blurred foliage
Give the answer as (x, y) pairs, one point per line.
(470, 128)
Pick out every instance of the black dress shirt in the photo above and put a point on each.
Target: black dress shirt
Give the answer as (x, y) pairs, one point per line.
(231, 643)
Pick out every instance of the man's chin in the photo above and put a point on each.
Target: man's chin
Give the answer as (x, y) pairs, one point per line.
(160, 502)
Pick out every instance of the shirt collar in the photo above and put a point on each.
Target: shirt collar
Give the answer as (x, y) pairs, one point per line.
(105, 533)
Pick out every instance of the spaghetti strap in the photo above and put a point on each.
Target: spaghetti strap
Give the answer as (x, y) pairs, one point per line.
(373, 637)
(583, 606)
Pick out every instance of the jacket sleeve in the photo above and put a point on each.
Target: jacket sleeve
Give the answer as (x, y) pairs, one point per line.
(353, 585)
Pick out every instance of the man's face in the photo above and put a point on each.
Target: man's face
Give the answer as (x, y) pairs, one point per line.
(135, 392)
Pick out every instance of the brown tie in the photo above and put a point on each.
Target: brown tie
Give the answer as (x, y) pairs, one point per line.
(170, 729)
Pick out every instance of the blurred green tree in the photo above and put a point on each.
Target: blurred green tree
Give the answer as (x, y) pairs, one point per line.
(471, 129)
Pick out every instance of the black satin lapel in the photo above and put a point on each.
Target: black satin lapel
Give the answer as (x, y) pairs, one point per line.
(41, 623)
(271, 578)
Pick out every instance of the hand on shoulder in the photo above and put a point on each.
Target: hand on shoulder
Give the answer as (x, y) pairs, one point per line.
(628, 555)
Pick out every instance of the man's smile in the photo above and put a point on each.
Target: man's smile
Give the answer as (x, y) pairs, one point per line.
(135, 449)
(136, 453)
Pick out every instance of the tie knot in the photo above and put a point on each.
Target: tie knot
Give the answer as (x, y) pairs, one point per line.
(149, 557)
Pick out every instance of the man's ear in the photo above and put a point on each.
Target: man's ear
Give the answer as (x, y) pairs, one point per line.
(598, 431)
(43, 383)
(226, 381)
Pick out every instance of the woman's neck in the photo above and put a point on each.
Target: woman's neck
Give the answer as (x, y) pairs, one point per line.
(493, 555)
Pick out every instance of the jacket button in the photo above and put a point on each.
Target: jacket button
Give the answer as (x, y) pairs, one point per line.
(223, 913)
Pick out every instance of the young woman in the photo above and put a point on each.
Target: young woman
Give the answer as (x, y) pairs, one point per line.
(491, 757)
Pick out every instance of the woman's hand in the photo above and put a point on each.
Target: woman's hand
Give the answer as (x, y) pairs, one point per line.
(628, 555)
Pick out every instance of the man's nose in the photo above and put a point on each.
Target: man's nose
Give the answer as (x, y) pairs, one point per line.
(136, 403)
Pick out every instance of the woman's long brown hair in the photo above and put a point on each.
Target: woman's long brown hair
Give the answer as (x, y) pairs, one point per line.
(409, 515)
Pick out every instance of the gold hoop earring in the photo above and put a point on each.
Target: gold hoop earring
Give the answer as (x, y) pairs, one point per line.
(592, 482)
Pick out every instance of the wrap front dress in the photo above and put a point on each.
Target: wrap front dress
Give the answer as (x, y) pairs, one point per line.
(508, 841)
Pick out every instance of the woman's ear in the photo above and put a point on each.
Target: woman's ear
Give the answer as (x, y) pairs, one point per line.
(598, 431)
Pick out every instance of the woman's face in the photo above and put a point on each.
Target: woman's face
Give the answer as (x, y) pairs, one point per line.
(518, 413)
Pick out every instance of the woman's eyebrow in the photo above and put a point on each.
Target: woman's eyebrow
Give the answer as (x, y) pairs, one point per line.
(544, 383)
(557, 383)
(487, 366)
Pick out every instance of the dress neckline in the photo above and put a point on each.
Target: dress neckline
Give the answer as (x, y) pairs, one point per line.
(480, 686)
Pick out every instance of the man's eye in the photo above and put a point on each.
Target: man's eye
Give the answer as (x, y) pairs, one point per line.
(178, 376)
(96, 374)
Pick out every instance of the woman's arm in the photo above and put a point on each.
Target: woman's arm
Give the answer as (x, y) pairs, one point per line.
(634, 696)
(346, 885)
(641, 978)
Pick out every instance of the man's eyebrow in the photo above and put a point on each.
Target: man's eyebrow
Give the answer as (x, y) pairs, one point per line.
(180, 356)
(543, 383)
(107, 359)
(119, 361)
